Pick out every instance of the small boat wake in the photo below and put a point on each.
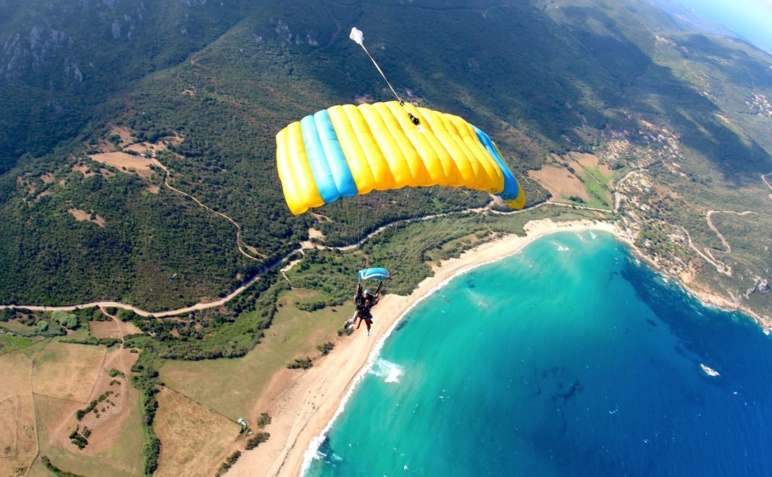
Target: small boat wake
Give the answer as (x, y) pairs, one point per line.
(709, 371)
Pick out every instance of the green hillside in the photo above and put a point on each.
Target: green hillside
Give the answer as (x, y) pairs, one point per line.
(207, 85)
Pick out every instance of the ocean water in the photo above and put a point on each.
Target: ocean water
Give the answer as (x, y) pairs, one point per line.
(569, 358)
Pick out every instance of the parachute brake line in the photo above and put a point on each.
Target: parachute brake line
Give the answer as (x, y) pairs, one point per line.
(358, 38)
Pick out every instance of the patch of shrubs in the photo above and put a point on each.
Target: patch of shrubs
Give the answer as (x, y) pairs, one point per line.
(228, 463)
(301, 363)
(325, 348)
(257, 439)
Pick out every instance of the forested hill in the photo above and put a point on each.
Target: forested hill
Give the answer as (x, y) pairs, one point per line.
(203, 86)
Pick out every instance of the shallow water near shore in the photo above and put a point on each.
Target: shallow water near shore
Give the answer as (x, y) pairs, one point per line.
(568, 358)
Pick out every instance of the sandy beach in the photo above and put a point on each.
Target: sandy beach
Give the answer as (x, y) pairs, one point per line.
(302, 405)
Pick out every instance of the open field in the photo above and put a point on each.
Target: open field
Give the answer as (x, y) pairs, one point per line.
(9, 344)
(115, 443)
(233, 386)
(127, 163)
(576, 178)
(18, 443)
(9, 416)
(194, 438)
(65, 376)
(560, 182)
(83, 216)
(20, 329)
(112, 329)
(67, 371)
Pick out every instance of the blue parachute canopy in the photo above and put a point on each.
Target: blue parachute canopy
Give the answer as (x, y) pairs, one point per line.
(379, 274)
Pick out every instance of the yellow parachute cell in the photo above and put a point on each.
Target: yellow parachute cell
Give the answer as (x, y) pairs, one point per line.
(349, 150)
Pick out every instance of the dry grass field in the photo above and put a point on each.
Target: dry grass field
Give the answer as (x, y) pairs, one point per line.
(18, 442)
(576, 176)
(112, 329)
(195, 439)
(115, 443)
(67, 371)
(43, 385)
(560, 182)
(127, 163)
(232, 387)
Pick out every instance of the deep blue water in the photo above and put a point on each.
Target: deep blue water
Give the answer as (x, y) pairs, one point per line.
(570, 358)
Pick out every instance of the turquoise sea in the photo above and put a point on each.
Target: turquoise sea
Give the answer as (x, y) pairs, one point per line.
(569, 358)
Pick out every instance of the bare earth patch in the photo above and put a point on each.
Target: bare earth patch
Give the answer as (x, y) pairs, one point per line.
(83, 169)
(560, 182)
(127, 163)
(44, 194)
(194, 437)
(112, 329)
(67, 371)
(83, 216)
(124, 132)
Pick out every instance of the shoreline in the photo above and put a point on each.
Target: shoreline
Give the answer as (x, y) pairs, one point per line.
(303, 407)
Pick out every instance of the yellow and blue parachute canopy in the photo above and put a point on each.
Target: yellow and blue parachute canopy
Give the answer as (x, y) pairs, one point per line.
(350, 150)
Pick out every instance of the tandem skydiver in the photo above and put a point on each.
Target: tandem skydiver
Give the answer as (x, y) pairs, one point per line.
(364, 301)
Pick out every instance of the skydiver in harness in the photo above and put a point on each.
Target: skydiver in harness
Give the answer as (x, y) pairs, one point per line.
(364, 301)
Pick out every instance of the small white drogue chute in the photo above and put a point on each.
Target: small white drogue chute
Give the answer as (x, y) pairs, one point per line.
(357, 35)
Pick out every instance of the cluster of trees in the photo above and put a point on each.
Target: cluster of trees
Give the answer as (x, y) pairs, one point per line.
(301, 363)
(38, 324)
(257, 439)
(90, 340)
(56, 470)
(80, 439)
(325, 348)
(81, 413)
(263, 420)
(145, 379)
(229, 461)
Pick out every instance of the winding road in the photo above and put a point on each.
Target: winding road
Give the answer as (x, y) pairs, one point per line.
(722, 268)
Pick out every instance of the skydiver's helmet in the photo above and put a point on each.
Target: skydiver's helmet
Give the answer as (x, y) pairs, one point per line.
(367, 294)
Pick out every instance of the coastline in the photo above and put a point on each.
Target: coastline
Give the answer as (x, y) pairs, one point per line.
(303, 406)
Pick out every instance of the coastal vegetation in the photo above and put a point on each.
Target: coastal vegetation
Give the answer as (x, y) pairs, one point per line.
(257, 439)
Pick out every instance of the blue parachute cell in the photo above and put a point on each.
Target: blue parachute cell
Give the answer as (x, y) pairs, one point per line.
(373, 274)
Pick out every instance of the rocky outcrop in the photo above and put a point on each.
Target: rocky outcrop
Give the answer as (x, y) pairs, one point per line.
(760, 285)
(41, 50)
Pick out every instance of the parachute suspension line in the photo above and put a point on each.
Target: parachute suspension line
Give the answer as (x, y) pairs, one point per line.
(436, 229)
(393, 91)
(358, 38)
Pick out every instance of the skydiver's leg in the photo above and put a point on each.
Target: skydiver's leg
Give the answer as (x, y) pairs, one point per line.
(368, 322)
(350, 322)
